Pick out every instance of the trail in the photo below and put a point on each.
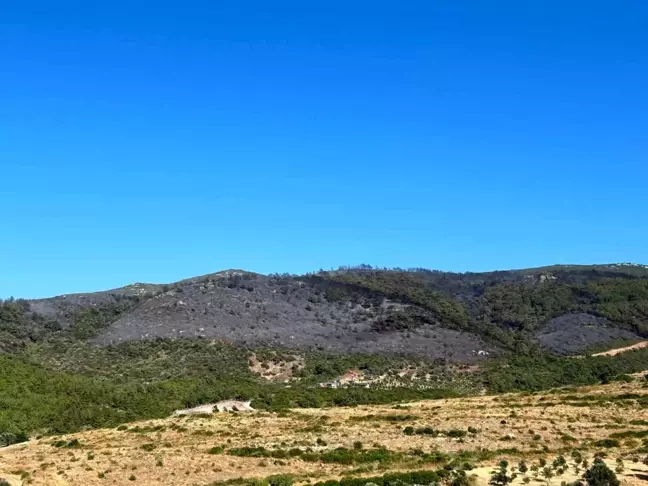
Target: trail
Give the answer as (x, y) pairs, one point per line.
(615, 351)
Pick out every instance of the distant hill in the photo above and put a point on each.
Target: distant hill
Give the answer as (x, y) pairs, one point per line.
(464, 317)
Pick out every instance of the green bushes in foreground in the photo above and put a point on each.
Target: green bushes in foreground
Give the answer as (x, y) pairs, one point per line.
(408, 478)
(37, 401)
(342, 455)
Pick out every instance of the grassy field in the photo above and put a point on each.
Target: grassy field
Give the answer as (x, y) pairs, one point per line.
(315, 445)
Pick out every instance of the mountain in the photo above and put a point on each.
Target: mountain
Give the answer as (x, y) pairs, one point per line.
(461, 317)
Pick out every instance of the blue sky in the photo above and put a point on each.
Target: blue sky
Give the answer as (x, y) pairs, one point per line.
(152, 141)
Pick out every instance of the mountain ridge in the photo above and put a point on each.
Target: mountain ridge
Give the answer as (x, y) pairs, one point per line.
(463, 317)
(630, 267)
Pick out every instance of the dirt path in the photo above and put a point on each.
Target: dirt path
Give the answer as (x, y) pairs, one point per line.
(613, 352)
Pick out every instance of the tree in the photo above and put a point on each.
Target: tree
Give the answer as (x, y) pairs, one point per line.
(619, 465)
(600, 475)
(577, 456)
(559, 462)
(547, 473)
(500, 476)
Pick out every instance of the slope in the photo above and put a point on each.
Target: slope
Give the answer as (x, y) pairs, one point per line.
(315, 445)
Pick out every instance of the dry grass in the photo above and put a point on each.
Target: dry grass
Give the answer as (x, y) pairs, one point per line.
(537, 425)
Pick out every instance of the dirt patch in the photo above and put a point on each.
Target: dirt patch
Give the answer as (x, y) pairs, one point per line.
(276, 370)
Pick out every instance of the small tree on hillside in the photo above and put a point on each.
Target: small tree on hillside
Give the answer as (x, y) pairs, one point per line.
(547, 473)
(559, 462)
(500, 476)
(600, 475)
(619, 466)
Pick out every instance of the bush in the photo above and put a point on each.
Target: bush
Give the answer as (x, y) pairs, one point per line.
(600, 475)
(607, 443)
(8, 438)
(72, 444)
(281, 480)
(456, 433)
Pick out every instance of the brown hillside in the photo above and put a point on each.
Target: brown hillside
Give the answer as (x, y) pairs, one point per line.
(176, 450)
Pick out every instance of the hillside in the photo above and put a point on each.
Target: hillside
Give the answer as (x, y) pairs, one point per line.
(449, 441)
(419, 313)
(346, 337)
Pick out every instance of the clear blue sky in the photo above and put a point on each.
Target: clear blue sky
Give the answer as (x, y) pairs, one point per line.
(151, 141)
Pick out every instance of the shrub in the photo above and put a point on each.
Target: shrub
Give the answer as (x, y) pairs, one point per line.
(148, 447)
(600, 475)
(500, 476)
(8, 438)
(456, 433)
(281, 480)
(607, 443)
(72, 444)
(559, 462)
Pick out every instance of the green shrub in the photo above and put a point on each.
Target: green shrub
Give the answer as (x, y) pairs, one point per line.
(280, 480)
(607, 443)
(600, 475)
(456, 433)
